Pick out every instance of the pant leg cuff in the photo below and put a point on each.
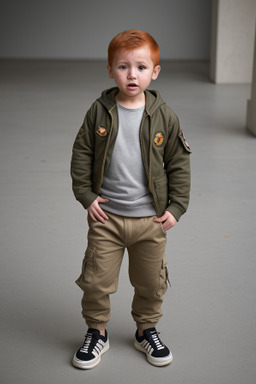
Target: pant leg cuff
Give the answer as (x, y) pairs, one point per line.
(99, 326)
(143, 326)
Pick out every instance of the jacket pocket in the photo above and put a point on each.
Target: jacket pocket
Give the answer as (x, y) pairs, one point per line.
(86, 278)
(161, 189)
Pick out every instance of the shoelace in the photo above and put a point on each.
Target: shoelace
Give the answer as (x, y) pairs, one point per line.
(91, 345)
(158, 343)
(87, 343)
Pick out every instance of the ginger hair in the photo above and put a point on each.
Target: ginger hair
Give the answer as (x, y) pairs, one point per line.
(133, 39)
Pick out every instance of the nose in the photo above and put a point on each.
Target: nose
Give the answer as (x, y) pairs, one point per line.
(131, 74)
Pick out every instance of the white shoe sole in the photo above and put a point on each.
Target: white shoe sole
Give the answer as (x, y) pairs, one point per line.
(92, 363)
(156, 361)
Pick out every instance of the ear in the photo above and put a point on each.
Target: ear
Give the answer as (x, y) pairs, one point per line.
(156, 71)
(109, 69)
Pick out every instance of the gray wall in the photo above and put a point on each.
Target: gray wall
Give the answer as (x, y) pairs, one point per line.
(80, 29)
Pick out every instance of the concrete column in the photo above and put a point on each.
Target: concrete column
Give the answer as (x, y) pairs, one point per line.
(232, 40)
(251, 105)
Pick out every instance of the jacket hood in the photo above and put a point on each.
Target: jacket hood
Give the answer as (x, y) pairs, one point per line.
(153, 99)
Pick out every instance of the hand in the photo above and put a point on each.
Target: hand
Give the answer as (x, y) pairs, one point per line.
(168, 220)
(95, 211)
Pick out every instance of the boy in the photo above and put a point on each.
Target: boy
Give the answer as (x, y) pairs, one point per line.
(130, 170)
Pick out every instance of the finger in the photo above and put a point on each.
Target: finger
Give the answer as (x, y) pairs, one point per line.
(165, 227)
(99, 210)
(161, 219)
(93, 213)
(92, 216)
(102, 214)
(158, 219)
(101, 219)
(102, 200)
(97, 217)
(168, 224)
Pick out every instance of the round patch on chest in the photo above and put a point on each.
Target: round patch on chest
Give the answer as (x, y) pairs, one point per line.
(159, 138)
(102, 131)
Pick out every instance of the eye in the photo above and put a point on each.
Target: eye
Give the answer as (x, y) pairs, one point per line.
(122, 67)
(141, 67)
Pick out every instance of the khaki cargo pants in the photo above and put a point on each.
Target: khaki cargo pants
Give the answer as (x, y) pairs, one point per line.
(145, 241)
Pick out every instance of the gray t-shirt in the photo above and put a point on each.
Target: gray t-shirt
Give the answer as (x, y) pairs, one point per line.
(125, 181)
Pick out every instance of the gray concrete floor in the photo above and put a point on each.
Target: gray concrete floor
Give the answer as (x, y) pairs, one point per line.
(209, 313)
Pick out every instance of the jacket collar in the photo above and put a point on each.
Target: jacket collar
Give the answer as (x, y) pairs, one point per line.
(153, 99)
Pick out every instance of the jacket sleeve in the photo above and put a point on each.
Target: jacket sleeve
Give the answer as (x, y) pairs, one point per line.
(82, 163)
(177, 166)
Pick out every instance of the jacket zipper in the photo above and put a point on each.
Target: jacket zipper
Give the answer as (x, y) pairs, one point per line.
(149, 157)
(106, 150)
(141, 145)
(149, 165)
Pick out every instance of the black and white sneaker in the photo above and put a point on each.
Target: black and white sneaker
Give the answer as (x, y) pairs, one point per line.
(89, 355)
(157, 352)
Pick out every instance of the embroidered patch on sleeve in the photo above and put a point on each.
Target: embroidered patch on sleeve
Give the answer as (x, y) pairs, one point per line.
(184, 141)
(159, 138)
(102, 131)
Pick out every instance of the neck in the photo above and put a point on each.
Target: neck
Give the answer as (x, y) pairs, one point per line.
(131, 102)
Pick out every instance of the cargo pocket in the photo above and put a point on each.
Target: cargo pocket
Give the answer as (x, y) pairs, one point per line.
(163, 278)
(86, 278)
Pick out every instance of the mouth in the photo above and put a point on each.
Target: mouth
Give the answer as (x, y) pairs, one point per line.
(132, 85)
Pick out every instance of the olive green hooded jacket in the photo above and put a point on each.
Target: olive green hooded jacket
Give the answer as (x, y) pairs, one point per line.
(165, 153)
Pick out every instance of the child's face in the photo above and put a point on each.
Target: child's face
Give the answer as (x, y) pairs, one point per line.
(133, 72)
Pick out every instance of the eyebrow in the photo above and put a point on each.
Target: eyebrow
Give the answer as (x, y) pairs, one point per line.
(140, 62)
